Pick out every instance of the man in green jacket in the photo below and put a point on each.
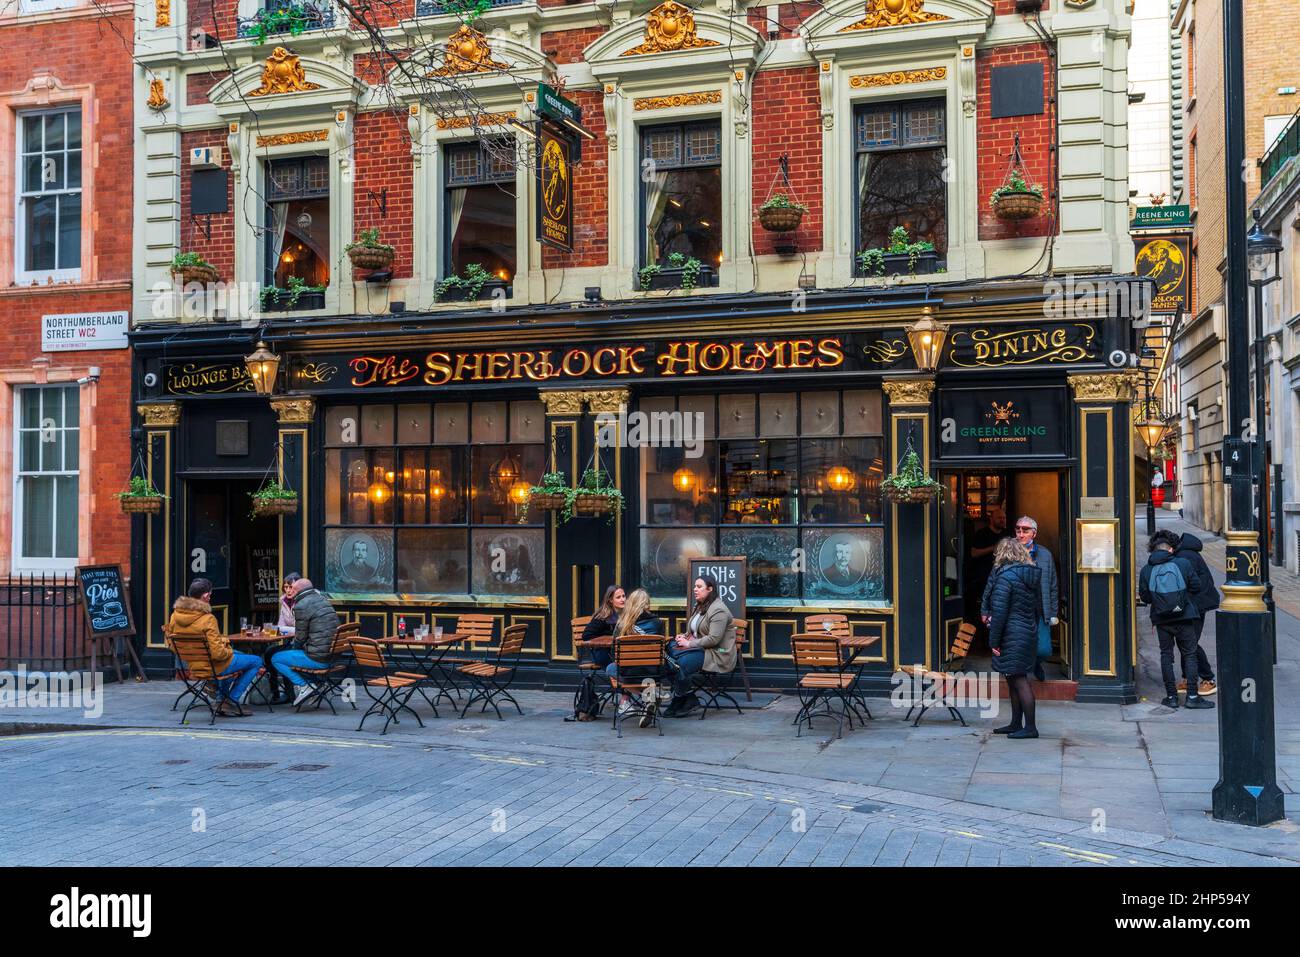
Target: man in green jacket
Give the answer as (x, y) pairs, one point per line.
(314, 623)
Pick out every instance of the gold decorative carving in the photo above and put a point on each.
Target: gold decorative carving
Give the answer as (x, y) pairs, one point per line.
(893, 13)
(562, 403)
(897, 77)
(909, 391)
(676, 99)
(157, 96)
(1101, 387)
(317, 371)
(467, 52)
(162, 13)
(294, 410)
(669, 27)
(886, 351)
(160, 414)
(1248, 599)
(286, 139)
(606, 400)
(483, 119)
(283, 74)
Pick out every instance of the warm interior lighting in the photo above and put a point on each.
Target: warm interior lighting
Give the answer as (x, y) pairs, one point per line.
(390, 476)
(927, 336)
(503, 275)
(262, 367)
(683, 480)
(287, 257)
(519, 492)
(380, 493)
(839, 479)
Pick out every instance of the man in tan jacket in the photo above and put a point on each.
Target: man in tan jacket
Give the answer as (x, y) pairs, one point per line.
(192, 618)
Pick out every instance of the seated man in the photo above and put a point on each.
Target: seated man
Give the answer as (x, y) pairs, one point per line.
(314, 623)
(192, 618)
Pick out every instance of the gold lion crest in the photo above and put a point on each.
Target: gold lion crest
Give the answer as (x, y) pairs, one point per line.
(283, 74)
(669, 26)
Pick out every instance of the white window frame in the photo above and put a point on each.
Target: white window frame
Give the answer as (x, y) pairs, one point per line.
(21, 562)
(23, 276)
(46, 6)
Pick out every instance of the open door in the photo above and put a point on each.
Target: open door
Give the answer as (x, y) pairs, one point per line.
(224, 544)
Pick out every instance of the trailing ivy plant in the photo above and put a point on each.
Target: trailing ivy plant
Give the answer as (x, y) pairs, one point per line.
(295, 286)
(781, 201)
(140, 487)
(292, 19)
(553, 483)
(595, 481)
(1015, 184)
(471, 282)
(910, 478)
(368, 239)
(872, 261)
(646, 274)
(690, 267)
(274, 490)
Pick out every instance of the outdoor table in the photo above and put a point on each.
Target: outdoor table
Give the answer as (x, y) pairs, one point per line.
(430, 661)
(260, 642)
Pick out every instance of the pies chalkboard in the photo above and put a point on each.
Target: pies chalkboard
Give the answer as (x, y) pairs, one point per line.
(107, 601)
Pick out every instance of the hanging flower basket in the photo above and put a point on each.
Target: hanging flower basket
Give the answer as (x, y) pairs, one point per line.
(1017, 204)
(368, 257)
(200, 273)
(911, 484)
(140, 498)
(596, 495)
(591, 503)
(781, 214)
(274, 499)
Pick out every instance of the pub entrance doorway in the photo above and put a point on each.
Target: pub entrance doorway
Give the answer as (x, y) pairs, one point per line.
(227, 545)
(980, 507)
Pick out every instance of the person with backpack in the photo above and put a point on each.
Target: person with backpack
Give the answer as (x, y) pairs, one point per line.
(1206, 600)
(1166, 586)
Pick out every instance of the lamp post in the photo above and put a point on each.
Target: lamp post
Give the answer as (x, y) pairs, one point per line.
(1151, 429)
(927, 336)
(1247, 791)
(1263, 252)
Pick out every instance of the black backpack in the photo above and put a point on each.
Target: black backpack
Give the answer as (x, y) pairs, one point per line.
(585, 701)
(1168, 587)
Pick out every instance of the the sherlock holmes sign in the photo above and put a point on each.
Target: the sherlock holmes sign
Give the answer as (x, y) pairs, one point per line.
(555, 189)
(1165, 261)
(1002, 422)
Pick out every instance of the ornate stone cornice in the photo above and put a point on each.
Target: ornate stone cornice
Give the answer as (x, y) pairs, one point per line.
(283, 74)
(893, 13)
(160, 414)
(483, 119)
(606, 400)
(468, 52)
(909, 391)
(562, 402)
(676, 99)
(898, 77)
(1101, 387)
(669, 27)
(288, 139)
(294, 409)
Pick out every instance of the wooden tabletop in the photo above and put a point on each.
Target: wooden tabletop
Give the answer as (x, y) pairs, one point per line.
(257, 639)
(859, 641)
(446, 639)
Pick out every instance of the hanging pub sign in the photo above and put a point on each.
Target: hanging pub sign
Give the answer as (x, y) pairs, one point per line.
(999, 422)
(1166, 261)
(1048, 343)
(555, 188)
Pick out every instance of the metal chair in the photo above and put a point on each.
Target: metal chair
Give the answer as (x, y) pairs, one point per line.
(642, 666)
(491, 680)
(389, 691)
(327, 680)
(202, 680)
(818, 679)
(714, 685)
(588, 669)
(938, 685)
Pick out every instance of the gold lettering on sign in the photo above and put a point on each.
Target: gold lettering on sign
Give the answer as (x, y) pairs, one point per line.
(382, 370)
(467, 52)
(676, 99)
(1230, 563)
(194, 379)
(283, 74)
(897, 77)
(893, 13)
(983, 348)
(287, 139)
(483, 119)
(320, 372)
(669, 27)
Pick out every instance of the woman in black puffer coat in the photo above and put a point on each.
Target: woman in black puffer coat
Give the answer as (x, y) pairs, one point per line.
(1013, 631)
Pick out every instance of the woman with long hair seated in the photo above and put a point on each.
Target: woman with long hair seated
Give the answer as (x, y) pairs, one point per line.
(603, 622)
(708, 645)
(636, 619)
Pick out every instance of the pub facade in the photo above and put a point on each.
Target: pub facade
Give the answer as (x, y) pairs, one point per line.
(732, 427)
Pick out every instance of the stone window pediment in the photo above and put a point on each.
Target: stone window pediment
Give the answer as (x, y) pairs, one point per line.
(285, 81)
(848, 25)
(673, 36)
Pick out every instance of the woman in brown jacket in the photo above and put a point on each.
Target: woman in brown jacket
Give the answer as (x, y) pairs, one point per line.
(708, 645)
(192, 618)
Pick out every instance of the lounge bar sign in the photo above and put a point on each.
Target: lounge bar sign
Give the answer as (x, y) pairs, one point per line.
(1002, 422)
(982, 348)
(195, 378)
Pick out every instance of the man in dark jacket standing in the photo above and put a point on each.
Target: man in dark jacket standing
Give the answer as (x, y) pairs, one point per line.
(1166, 586)
(314, 623)
(1206, 599)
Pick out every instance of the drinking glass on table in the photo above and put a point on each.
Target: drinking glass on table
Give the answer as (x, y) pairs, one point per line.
(243, 626)
(437, 631)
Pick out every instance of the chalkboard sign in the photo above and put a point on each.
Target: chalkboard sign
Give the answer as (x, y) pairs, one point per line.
(264, 576)
(730, 573)
(106, 600)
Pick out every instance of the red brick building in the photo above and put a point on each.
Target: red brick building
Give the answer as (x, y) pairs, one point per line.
(66, 171)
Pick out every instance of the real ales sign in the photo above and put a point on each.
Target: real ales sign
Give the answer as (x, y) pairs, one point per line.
(730, 574)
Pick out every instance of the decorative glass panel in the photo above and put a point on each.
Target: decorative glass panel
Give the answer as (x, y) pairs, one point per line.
(703, 405)
(820, 413)
(663, 145)
(777, 417)
(666, 555)
(451, 423)
(844, 564)
(359, 560)
(862, 412)
(509, 561)
(489, 423)
(377, 425)
(923, 125)
(877, 128)
(527, 422)
(342, 425)
(432, 561)
(735, 416)
(414, 424)
(770, 553)
(703, 143)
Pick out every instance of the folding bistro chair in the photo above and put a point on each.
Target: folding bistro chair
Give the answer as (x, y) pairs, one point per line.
(714, 685)
(389, 690)
(200, 676)
(819, 679)
(837, 626)
(492, 679)
(816, 625)
(642, 668)
(588, 669)
(939, 685)
(327, 681)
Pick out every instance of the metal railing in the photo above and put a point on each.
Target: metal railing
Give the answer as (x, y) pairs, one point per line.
(429, 8)
(277, 19)
(1282, 149)
(42, 624)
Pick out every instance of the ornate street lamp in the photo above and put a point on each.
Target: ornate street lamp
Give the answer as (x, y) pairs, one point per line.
(927, 336)
(1151, 430)
(262, 366)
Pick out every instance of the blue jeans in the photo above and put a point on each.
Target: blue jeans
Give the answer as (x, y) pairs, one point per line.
(235, 686)
(690, 661)
(285, 661)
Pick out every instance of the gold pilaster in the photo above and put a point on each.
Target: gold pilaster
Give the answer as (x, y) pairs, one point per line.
(165, 415)
(1101, 387)
(559, 402)
(606, 400)
(915, 391)
(294, 410)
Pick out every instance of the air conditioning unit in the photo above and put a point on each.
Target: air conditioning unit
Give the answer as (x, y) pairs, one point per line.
(202, 40)
(205, 157)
